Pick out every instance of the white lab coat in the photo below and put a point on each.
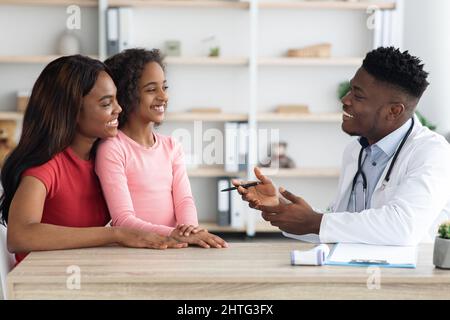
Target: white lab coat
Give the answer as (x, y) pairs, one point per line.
(408, 209)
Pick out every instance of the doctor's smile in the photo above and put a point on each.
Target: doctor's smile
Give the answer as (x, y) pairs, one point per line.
(346, 116)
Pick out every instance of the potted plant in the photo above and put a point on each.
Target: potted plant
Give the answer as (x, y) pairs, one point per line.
(441, 255)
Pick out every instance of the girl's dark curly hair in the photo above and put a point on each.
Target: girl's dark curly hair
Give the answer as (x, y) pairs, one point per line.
(126, 68)
(401, 69)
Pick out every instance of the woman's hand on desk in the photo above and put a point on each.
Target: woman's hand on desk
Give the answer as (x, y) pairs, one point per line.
(144, 239)
(264, 193)
(203, 239)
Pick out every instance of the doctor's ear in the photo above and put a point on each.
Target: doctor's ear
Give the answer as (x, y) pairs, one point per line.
(395, 110)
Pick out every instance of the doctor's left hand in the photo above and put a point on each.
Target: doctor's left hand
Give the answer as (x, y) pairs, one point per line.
(297, 217)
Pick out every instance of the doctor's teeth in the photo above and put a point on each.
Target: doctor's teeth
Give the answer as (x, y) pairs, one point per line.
(348, 114)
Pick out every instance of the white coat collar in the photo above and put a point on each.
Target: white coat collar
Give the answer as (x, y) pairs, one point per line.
(350, 168)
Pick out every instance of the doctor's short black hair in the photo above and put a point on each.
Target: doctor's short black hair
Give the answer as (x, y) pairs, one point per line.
(390, 65)
(126, 68)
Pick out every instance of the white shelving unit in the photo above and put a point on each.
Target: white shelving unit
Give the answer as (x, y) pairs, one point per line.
(254, 64)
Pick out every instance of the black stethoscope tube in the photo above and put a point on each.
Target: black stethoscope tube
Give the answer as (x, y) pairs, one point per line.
(388, 174)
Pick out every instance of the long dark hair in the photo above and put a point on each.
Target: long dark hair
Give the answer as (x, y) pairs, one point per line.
(50, 120)
(126, 68)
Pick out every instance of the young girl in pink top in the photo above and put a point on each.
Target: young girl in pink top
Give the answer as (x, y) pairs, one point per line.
(142, 173)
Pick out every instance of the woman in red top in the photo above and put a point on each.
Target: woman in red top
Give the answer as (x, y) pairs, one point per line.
(52, 198)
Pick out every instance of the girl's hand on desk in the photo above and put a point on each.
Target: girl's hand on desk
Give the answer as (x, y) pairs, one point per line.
(144, 239)
(203, 239)
(186, 229)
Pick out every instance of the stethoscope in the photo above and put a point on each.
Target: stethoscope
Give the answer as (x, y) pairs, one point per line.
(388, 174)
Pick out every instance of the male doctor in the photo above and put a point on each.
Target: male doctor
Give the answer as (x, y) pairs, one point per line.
(395, 178)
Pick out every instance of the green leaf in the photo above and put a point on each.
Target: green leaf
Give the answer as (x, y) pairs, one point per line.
(444, 230)
(343, 89)
(425, 122)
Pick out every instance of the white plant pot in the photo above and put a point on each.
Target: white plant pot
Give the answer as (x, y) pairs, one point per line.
(441, 254)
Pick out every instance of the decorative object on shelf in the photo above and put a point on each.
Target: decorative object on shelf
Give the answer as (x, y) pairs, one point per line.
(172, 48)
(7, 143)
(22, 98)
(278, 157)
(321, 50)
(68, 44)
(213, 48)
(441, 254)
(205, 110)
(343, 89)
(214, 52)
(294, 108)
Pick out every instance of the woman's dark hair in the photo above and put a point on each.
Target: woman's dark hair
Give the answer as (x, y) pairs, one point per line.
(50, 120)
(127, 68)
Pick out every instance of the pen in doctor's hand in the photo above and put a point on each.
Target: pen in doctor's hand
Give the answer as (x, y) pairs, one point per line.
(248, 185)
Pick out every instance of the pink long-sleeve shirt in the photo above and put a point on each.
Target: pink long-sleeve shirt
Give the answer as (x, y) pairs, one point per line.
(145, 188)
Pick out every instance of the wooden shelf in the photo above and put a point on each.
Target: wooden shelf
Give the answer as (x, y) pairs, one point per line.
(212, 172)
(260, 227)
(33, 59)
(186, 61)
(319, 62)
(301, 173)
(324, 5)
(82, 3)
(299, 117)
(206, 61)
(210, 117)
(328, 5)
(181, 4)
(10, 115)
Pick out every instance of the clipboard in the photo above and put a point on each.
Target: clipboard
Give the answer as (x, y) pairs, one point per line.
(364, 255)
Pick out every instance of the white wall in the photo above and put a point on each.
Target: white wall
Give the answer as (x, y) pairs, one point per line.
(427, 35)
(35, 30)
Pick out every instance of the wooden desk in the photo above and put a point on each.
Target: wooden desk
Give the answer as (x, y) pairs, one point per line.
(244, 271)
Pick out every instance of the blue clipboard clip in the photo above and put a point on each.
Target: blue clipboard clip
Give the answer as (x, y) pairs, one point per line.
(363, 261)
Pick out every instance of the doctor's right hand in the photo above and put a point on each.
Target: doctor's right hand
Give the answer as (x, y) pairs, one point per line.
(264, 193)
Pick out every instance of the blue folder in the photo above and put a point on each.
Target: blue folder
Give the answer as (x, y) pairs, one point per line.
(363, 255)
